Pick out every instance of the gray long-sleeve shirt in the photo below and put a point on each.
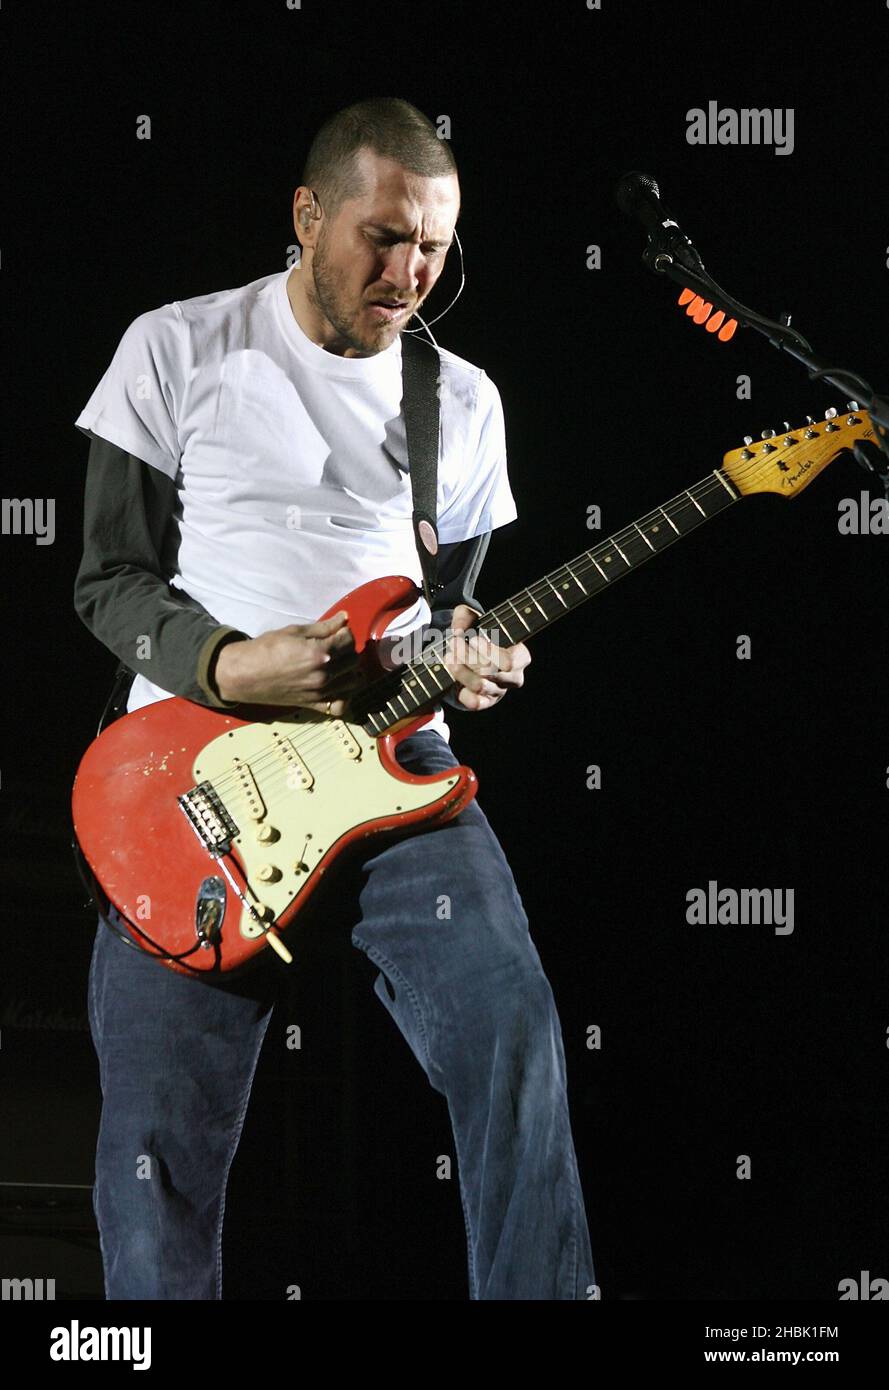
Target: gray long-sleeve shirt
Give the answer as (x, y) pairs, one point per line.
(123, 592)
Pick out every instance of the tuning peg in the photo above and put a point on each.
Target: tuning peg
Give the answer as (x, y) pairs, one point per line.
(748, 438)
(852, 405)
(785, 426)
(830, 413)
(809, 420)
(767, 434)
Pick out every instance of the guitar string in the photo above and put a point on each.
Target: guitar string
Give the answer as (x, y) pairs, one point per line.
(230, 783)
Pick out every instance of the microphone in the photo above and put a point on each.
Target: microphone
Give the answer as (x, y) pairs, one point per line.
(639, 197)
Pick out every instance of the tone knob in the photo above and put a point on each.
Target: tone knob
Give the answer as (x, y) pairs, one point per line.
(266, 834)
(268, 873)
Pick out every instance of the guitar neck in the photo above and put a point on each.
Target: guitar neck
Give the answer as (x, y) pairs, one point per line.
(404, 693)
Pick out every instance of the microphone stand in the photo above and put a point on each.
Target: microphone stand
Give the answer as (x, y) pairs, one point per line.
(786, 339)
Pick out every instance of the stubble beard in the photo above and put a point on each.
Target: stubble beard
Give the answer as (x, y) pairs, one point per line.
(328, 293)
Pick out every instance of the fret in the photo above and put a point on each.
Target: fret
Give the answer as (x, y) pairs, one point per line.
(687, 512)
(718, 473)
(576, 580)
(714, 499)
(555, 591)
(419, 679)
(518, 614)
(536, 604)
(656, 534)
(572, 600)
(636, 546)
(566, 588)
(431, 671)
(534, 607)
(620, 552)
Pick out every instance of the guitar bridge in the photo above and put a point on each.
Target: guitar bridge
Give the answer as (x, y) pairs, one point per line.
(208, 818)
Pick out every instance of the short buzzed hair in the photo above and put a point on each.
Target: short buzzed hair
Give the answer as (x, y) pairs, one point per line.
(389, 126)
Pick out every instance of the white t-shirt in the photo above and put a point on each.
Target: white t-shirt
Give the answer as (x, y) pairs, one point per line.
(291, 462)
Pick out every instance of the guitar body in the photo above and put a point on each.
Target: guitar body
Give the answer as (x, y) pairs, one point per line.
(209, 832)
(170, 796)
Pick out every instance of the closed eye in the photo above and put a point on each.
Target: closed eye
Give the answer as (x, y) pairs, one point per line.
(428, 250)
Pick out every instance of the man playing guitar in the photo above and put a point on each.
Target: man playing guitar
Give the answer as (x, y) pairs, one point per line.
(247, 465)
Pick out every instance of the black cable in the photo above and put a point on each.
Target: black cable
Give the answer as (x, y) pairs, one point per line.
(842, 371)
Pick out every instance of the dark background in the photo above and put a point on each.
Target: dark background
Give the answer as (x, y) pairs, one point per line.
(717, 1041)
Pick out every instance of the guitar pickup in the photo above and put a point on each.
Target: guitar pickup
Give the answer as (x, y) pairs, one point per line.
(256, 808)
(298, 772)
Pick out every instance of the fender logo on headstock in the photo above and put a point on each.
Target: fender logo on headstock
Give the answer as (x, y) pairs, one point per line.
(794, 477)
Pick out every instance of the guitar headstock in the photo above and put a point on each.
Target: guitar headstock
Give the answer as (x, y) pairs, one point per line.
(787, 462)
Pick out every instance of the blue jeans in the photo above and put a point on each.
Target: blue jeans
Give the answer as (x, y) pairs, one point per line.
(468, 992)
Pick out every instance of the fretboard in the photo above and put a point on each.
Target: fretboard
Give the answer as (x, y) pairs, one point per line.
(403, 693)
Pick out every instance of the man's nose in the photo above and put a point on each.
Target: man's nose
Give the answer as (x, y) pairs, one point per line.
(404, 266)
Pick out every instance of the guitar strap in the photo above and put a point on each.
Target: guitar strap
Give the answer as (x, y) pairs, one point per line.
(421, 404)
(420, 364)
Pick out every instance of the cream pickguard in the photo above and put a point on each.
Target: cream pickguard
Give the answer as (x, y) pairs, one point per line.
(294, 788)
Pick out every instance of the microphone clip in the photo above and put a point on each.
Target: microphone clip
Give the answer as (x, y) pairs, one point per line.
(666, 246)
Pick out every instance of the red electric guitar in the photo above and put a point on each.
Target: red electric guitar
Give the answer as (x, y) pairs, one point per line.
(208, 832)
